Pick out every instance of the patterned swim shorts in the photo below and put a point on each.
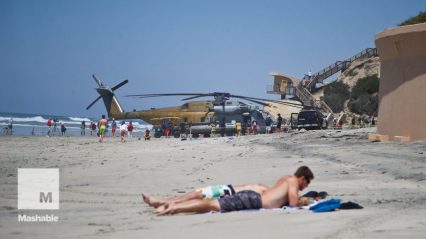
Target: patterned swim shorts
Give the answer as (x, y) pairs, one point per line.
(241, 201)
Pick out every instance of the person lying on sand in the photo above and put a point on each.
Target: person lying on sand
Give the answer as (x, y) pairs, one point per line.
(285, 191)
(207, 193)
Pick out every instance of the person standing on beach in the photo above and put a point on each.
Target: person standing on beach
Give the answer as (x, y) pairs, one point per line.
(63, 129)
(222, 127)
(238, 126)
(83, 128)
(254, 126)
(284, 192)
(213, 130)
(113, 128)
(92, 128)
(102, 126)
(10, 126)
(268, 122)
(279, 122)
(49, 126)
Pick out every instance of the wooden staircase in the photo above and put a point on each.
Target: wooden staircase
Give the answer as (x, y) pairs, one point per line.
(332, 69)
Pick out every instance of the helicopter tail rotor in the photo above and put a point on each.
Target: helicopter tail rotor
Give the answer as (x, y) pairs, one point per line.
(119, 85)
(107, 94)
(91, 104)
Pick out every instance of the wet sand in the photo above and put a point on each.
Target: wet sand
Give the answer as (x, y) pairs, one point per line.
(100, 185)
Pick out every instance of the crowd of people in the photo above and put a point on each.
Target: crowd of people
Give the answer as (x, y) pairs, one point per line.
(168, 128)
(52, 128)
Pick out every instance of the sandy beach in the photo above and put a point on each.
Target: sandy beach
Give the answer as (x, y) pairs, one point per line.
(101, 183)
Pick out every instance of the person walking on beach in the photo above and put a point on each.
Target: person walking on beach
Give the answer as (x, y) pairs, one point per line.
(113, 127)
(123, 131)
(284, 192)
(102, 126)
(83, 128)
(55, 126)
(130, 129)
(49, 126)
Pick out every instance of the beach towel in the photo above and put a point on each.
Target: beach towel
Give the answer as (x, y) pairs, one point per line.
(326, 206)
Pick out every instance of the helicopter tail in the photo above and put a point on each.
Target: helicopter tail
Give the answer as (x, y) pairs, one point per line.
(112, 105)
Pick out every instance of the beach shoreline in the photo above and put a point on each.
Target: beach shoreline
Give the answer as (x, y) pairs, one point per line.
(100, 185)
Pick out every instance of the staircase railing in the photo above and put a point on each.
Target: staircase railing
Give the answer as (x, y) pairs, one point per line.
(332, 69)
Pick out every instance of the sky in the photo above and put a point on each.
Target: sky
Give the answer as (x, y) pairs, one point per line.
(50, 48)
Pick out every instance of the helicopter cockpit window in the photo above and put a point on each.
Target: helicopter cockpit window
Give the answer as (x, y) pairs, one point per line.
(184, 106)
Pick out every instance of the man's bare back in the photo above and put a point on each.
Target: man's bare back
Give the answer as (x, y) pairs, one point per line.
(285, 191)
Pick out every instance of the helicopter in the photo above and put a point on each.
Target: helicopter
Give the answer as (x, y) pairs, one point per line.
(199, 115)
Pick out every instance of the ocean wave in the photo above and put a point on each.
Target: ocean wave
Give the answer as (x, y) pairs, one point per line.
(39, 119)
(25, 125)
(41, 126)
(72, 122)
(79, 119)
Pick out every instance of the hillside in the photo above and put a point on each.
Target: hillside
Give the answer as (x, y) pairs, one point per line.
(340, 95)
(360, 69)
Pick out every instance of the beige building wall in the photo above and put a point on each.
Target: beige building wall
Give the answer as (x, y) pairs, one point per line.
(284, 110)
(402, 93)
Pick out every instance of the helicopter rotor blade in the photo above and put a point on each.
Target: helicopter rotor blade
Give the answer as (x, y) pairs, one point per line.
(97, 80)
(120, 85)
(165, 94)
(266, 100)
(220, 98)
(197, 96)
(257, 102)
(88, 107)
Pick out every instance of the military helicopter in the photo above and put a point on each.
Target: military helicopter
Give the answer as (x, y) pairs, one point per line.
(200, 115)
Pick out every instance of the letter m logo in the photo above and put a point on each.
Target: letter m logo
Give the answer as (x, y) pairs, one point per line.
(38, 188)
(45, 198)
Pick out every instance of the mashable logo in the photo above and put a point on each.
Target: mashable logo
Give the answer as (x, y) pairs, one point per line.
(38, 188)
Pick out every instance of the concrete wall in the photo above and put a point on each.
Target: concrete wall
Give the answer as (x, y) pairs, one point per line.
(402, 93)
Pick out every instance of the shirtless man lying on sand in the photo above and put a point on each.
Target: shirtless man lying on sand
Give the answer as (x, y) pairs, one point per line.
(207, 193)
(252, 196)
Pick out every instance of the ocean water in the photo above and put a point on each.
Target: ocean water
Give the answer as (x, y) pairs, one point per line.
(23, 124)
